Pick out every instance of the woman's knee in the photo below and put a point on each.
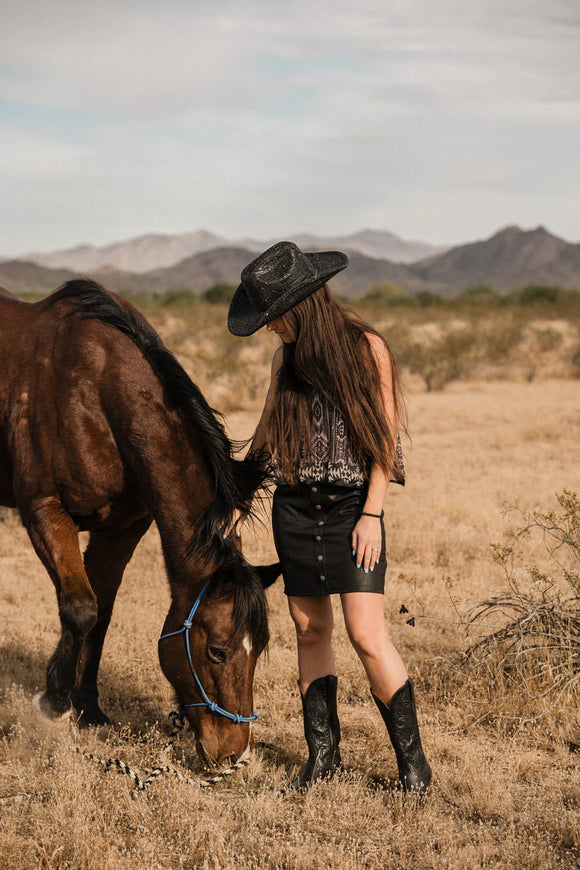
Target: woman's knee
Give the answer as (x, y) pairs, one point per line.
(313, 635)
(312, 627)
(367, 644)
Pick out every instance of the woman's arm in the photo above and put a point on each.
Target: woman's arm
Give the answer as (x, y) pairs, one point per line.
(366, 536)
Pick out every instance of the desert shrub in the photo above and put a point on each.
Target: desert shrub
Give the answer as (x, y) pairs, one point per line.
(179, 296)
(427, 299)
(398, 337)
(219, 294)
(500, 340)
(442, 361)
(572, 296)
(533, 293)
(548, 339)
(528, 668)
(381, 293)
(482, 294)
(388, 294)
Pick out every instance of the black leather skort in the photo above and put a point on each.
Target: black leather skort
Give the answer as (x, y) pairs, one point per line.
(313, 525)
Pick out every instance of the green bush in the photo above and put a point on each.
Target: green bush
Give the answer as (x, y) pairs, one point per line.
(178, 296)
(426, 299)
(388, 294)
(548, 339)
(501, 339)
(447, 359)
(533, 293)
(219, 294)
(482, 294)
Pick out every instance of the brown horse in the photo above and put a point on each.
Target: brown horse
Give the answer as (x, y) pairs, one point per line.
(102, 430)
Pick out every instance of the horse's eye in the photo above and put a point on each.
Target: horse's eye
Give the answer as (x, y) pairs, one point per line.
(217, 654)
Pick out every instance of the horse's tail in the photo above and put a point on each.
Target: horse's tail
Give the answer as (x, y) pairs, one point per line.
(234, 481)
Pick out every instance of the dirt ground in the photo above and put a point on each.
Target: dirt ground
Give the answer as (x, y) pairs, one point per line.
(501, 797)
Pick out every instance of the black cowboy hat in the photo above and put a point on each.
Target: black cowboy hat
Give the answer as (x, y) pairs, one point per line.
(276, 281)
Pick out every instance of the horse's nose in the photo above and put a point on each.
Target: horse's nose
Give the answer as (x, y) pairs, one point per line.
(210, 762)
(228, 760)
(205, 757)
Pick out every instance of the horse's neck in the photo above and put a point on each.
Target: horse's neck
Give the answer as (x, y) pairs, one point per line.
(176, 487)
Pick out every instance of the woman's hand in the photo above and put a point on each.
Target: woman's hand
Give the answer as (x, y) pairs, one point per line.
(366, 543)
(236, 525)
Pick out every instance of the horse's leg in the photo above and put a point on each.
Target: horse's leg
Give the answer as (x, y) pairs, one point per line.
(106, 557)
(56, 541)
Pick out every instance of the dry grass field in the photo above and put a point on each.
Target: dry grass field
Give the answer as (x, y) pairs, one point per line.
(506, 784)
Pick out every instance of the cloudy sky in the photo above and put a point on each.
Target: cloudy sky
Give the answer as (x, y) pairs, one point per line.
(441, 120)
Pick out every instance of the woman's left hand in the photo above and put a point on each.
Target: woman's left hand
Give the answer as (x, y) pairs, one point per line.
(366, 542)
(236, 524)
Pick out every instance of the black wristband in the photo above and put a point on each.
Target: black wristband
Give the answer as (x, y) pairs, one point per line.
(377, 516)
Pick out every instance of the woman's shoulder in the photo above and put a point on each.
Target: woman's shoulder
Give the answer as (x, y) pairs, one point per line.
(381, 354)
(376, 343)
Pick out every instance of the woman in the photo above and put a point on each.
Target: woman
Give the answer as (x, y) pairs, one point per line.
(330, 424)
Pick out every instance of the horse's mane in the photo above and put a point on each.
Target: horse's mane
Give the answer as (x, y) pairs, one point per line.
(250, 609)
(234, 481)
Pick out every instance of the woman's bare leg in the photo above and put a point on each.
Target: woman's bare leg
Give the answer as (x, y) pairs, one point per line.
(365, 624)
(313, 620)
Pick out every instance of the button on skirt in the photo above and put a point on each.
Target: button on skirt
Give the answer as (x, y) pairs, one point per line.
(313, 525)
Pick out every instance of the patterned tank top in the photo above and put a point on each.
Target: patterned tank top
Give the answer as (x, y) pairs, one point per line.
(329, 457)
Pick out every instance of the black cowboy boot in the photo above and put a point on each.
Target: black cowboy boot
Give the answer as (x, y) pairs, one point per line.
(400, 717)
(322, 732)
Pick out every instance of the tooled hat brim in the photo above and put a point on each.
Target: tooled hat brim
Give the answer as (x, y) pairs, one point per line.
(245, 319)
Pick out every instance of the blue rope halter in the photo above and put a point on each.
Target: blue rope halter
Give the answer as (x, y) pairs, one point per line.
(211, 705)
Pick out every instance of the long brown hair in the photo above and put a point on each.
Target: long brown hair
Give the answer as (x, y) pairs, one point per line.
(331, 353)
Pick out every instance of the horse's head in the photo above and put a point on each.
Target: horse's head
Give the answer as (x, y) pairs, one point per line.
(208, 652)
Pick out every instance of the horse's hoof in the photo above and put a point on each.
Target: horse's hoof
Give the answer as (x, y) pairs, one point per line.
(42, 706)
(92, 718)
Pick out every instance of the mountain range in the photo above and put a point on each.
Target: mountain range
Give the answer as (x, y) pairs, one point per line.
(509, 259)
(156, 250)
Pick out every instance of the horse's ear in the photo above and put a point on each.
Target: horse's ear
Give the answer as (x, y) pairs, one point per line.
(268, 574)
